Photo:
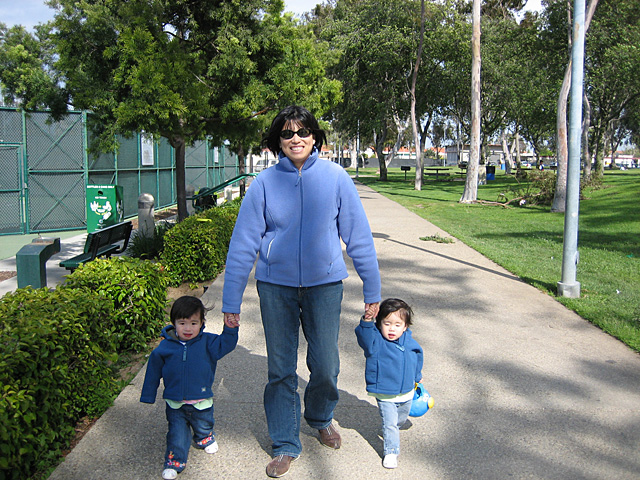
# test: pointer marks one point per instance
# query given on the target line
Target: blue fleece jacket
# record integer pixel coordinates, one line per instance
(391, 368)
(294, 220)
(188, 370)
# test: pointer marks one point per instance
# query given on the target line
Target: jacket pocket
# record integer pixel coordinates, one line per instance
(268, 255)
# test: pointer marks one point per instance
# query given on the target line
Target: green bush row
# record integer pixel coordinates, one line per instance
(149, 247)
(195, 250)
(58, 352)
(138, 289)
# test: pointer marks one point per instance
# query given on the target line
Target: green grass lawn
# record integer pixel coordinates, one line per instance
(528, 240)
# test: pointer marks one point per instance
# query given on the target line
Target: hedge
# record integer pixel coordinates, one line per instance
(58, 354)
(195, 250)
(138, 289)
(56, 359)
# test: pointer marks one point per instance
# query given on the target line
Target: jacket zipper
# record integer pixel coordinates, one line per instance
(299, 183)
(184, 369)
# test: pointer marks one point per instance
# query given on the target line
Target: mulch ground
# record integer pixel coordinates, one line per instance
(7, 275)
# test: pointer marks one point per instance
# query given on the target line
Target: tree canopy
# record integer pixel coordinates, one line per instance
(179, 69)
(186, 70)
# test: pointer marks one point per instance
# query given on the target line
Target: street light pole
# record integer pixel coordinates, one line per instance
(568, 286)
(358, 149)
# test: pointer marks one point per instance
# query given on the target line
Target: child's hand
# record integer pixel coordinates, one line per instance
(371, 310)
(232, 320)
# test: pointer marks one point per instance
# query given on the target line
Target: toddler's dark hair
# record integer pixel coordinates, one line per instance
(390, 305)
(185, 307)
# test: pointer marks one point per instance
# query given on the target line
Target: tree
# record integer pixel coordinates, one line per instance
(292, 47)
(375, 43)
(612, 75)
(28, 82)
(443, 36)
(562, 155)
(414, 121)
(182, 69)
(470, 193)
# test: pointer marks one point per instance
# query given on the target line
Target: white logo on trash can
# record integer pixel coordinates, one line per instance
(102, 210)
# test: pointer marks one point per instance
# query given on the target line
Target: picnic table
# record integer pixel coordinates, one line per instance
(438, 170)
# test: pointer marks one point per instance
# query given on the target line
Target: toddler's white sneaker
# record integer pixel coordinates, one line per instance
(169, 474)
(211, 448)
(390, 461)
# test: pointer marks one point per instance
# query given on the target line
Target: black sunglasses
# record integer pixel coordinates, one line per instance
(302, 133)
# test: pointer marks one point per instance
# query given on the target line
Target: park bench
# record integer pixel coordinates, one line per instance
(204, 199)
(101, 243)
(207, 197)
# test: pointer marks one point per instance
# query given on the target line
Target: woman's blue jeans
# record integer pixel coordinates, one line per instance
(181, 422)
(284, 310)
(393, 417)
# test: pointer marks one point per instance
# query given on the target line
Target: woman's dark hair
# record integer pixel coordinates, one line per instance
(293, 114)
(186, 306)
(390, 305)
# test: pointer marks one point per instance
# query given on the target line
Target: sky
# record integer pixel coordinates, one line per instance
(31, 12)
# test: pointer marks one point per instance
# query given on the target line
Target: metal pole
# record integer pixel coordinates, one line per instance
(568, 286)
(358, 149)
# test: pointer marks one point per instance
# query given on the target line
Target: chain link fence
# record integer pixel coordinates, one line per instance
(45, 169)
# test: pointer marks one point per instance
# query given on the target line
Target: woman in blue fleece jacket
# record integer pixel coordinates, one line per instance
(393, 367)
(186, 361)
(293, 218)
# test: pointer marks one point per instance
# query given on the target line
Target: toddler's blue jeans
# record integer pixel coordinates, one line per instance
(181, 423)
(393, 417)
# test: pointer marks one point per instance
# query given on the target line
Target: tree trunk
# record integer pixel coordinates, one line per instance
(414, 122)
(586, 122)
(181, 197)
(401, 126)
(506, 153)
(379, 141)
(470, 193)
(241, 169)
(353, 148)
(562, 156)
(459, 140)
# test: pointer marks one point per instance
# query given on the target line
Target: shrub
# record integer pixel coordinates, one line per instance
(138, 289)
(149, 248)
(538, 188)
(56, 359)
(195, 250)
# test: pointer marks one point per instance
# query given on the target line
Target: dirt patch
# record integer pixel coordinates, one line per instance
(169, 212)
(174, 293)
(6, 275)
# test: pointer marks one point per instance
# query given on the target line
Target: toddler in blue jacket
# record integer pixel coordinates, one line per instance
(186, 361)
(393, 367)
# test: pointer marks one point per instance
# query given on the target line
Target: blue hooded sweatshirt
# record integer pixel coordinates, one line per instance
(294, 221)
(392, 367)
(187, 370)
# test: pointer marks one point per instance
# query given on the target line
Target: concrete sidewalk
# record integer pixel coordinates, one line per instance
(523, 387)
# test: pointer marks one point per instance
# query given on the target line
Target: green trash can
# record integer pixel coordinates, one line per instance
(104, 206)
